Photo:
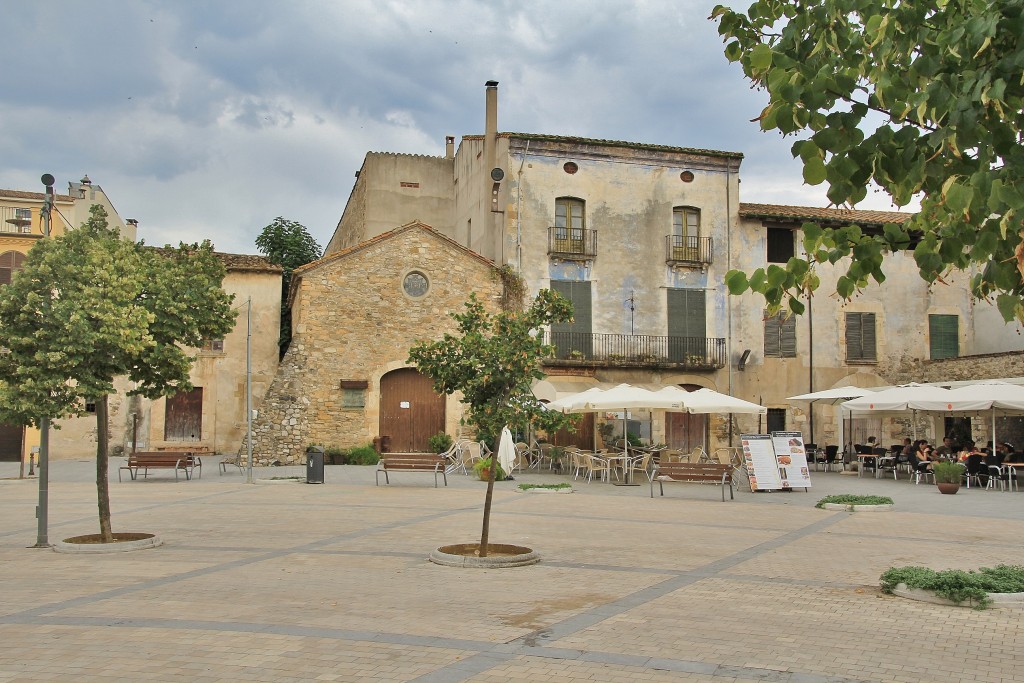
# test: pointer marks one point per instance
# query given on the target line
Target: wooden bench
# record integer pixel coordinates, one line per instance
(415, 462)
(694, 472)
(147, 460)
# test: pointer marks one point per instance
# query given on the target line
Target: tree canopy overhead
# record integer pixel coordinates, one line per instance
(922, 98)
(88, 307)
(287, 244)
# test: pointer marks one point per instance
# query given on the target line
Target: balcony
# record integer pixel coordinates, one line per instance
(688, 250)
(572, 243)
(635, 350)
(19, 221)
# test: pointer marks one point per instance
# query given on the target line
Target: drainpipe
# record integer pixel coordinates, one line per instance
(728, 267)
(810, 363)
(519, 210)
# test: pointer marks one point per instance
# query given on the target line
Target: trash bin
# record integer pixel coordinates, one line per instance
(314, 465)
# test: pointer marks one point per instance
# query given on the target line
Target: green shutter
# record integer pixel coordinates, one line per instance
(944, 336)
(687, 325)
(577, 335)
(860, 337)
(772, 337)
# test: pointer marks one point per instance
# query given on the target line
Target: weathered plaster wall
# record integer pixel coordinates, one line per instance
(356, 323)
(393, 190)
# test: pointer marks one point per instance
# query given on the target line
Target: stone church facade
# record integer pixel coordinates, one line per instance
(345, 378)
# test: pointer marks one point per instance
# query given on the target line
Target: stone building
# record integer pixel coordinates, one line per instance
(344, 380)
(210, 418)
(639, 237)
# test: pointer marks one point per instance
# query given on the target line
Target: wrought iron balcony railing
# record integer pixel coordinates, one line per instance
(688, 249)
(636, 350)
(572, 243)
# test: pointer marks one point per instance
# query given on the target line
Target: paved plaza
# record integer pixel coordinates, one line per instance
(301, 582)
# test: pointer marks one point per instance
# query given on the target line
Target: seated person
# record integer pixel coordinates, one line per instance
(969, 449)
(923, 456)
(907, 452)
(1005, 453)
(948, 449)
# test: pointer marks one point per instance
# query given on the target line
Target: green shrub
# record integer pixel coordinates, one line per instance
(556, 487)
(633, 440)
(484, 463)
(957, 585)
(440, 442)
(362, 455)
(948, 472)
(851, 499)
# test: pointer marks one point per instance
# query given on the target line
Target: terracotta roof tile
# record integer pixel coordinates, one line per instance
(38, 196)
(615, 143)
(830, 215)
(238, 262)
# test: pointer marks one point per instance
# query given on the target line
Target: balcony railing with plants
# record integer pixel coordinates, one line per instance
(572, 243)
(688, 249)
(636, 350)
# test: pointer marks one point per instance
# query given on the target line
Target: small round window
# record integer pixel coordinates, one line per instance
(415, 284)
(570, 167)
(686, 176)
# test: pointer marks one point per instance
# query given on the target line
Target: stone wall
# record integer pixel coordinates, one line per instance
(355, 324)
(965, 368)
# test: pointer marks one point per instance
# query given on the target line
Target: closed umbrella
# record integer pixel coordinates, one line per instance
(506, 451)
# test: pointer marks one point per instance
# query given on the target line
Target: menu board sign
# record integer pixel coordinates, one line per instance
(759, 459)
(792, 459)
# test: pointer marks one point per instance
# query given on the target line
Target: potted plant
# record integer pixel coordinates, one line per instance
(482, 468)
(948, 475)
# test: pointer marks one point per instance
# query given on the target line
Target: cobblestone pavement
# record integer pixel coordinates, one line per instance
(297, 582)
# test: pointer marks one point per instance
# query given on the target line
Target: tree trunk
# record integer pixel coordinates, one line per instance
(102, 486)
(485, 532)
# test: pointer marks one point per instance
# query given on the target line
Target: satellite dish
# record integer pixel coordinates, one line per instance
(47, 179)
(497, 174)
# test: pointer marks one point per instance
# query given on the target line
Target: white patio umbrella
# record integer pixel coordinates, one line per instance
(991, 396)
(617, 399)
(898, 400)
(836, 394)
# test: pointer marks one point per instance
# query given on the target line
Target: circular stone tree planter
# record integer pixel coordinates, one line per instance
(499, 556)
(123, 542)
(540, 490)
(999, 600)
(288, 480)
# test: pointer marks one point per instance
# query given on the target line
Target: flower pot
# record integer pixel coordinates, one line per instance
(947, 487)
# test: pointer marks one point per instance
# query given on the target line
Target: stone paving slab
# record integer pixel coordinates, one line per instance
(330, 582)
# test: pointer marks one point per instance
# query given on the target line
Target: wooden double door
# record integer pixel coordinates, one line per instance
(410, 410)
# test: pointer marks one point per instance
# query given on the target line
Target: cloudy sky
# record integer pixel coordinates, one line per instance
(209, 119)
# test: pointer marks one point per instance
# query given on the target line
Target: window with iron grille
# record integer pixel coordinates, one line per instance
(776, 420)
(685, 233)
(780, 245)
(570, 222)
(944, 336)
(214, 345)
(860, 338)
(779, 336)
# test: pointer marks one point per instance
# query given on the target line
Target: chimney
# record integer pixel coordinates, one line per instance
(449, 147)
(490, 129)
(132, 222)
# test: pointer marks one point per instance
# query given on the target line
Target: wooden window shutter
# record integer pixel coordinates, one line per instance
(772, 337)
(944, 336)
(787, 336)
(860, 337)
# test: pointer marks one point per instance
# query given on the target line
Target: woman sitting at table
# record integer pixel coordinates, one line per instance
(923, 456)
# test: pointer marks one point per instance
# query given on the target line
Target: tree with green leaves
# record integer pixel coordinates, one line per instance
(89, 307)
(926, 100)
(287, 244)
(492, 361)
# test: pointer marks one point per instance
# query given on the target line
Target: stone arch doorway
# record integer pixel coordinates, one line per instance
(410, 410)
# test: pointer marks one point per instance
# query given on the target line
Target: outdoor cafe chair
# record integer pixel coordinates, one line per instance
(832, 458)
(453, 459)
(640, 463)
(599, 466)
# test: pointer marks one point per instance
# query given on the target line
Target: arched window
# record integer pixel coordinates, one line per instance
(10, 261)
(570, 218)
